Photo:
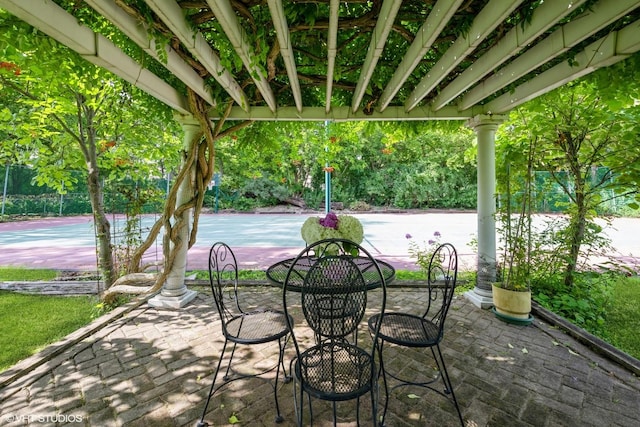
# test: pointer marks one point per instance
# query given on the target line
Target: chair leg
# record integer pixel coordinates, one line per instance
(374, 400)
(281, 346)
(233, 352)
(286, 377)
(335, 415)
(297, 398)
(448, 385)
(202, 423)
(310, 412)
(440, 370)
(382, 373)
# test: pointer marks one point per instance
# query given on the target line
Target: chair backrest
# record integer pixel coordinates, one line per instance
(441, 282)
(334, 296)
(223, 278)
(333, 292)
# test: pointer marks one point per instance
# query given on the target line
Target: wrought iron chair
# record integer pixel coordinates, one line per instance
(425, 330)
(240, 326)
(338, 363)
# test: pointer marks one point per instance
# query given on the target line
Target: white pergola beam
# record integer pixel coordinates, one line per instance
(487, 20)
(286, 50)
(332, 43)
(171, 14)
(386, 19)
(440, 15)
(121, 19)
(612, 48)
(544, 16)
(54, 21)
(560, 41)
(51, 19)
(110, 57)
(343, 114)
(136, 32)
(237, 36)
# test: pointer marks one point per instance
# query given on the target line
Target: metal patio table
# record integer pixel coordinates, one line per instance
(277, 273)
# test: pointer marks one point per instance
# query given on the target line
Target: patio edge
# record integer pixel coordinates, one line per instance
(598, 345)
(32, 362)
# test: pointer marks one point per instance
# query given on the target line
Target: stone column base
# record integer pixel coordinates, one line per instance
(480, 298)
(179, 301)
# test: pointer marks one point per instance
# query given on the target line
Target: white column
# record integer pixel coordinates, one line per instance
(174, 293)
(485, 127)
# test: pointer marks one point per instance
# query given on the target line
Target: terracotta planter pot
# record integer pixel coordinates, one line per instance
(512, 306)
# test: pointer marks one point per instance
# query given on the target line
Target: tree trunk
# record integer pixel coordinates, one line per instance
(578, 219)
(87, 141)
(102, 229)
(576, 235)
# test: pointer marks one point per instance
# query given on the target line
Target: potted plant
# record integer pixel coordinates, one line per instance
(512, 291)
(512, 294)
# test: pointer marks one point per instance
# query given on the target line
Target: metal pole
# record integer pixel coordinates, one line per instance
(6, 181)
(61, 199)
(216, 207)
(327, 190)
(327, 176)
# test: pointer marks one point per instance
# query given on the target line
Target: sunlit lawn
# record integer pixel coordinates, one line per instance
(623, 317)
(28, 323)
(19, 274)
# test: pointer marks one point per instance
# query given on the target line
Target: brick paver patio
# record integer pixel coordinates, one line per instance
(152, 367)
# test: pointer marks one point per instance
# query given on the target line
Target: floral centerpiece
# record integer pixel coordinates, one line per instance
(333, 226)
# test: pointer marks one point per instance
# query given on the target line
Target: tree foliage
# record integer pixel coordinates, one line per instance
(64, 116)
(404, 165)
(578, 128)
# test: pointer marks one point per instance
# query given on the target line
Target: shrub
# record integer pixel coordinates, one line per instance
(584, 304)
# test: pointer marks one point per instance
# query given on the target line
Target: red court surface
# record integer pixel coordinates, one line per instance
(259, 240)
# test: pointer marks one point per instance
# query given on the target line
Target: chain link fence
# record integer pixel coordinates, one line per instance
(549, 195)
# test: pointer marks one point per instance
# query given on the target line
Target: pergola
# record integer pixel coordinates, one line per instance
(331, 60)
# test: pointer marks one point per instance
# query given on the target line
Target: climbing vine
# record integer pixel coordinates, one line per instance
(199, 160)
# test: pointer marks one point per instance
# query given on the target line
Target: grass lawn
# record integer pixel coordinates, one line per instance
(19, 274)
(623, 317)
(28, 323)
